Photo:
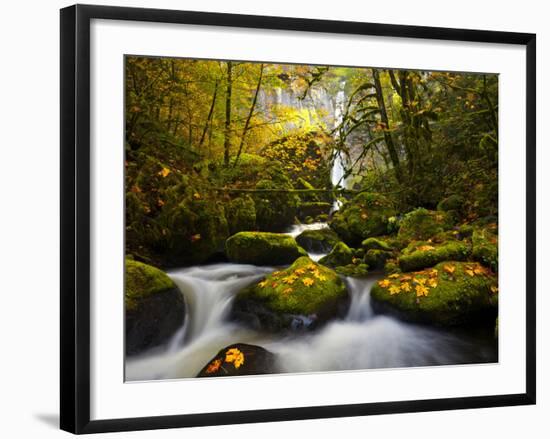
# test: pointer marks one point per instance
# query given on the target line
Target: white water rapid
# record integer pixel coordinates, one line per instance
(361, 340)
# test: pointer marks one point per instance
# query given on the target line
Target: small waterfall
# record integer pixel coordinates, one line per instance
(338, 170)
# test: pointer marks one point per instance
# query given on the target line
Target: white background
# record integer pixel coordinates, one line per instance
(29, 234)
(112, 398)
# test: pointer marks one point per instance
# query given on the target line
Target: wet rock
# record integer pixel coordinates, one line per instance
(302, 297)
(450, 294)
(154, 307)
(240, 359)
(318, 241)
(263, 248)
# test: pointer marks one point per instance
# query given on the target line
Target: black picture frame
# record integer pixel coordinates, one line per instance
(75, 217)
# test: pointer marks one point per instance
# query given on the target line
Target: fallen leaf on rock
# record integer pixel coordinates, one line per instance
(234, 356)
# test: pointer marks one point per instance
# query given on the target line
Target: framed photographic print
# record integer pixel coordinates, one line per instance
(318, 218)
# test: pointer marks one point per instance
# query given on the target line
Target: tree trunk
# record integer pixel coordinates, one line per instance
(210, 113)
(227, 131)
(394, 157)
(250, 113)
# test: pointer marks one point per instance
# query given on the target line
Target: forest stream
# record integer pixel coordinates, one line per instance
(362, 339)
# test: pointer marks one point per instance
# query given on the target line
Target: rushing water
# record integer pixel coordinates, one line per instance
(361, 340)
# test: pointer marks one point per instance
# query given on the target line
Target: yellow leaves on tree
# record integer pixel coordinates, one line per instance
(164, 172)
(214, 366)
(234, 356)
(307, 281)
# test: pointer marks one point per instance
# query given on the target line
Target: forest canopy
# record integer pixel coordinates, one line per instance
(218, 147)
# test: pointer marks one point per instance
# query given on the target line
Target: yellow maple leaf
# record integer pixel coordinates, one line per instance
(449, 268)
(421, 290)
(479, 270)
(197, 196)
(394, 276)
(432, 283)
(469, 272)
(433, 272)
(307, 281)
(262, 284)
(425, 248)
(494, 289)
(234, 356)
(299, 271)
(420, 280)
(312, 267)
(395, 289)
(276, 273)
(289, 280)
(384, 283)
(214, 366)
(405, 278)
(319, 276)
(164, 172)
(406, 287)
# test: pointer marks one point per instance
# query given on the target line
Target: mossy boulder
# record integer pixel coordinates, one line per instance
(485, 246)
(301, 297)
(313, 209)
(341, 254)
(451, 203)
(364, 216)
(358, 269)
(450, 294)
(154, 307)
(241, 214)
(240, 359)
(318, 241)
(302, 183)
(420, 255)
(375, 244)
(376, 259)
(275, 208)
(422, 224)
(262, 248)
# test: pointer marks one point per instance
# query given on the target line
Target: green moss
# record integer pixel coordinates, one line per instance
(143, 280)
(241, 214)
(391, 267)
(304, 288)
(313, 208)
(420, 255)
(341, 254)
(263, 248)
(318, 241)
(451, 203)
(302, 183)
(364, 216)
(376, 259)
(375, 244)
(421, 224)
(275, 211)
(353, 270)
(485, 246)
(455, 294)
